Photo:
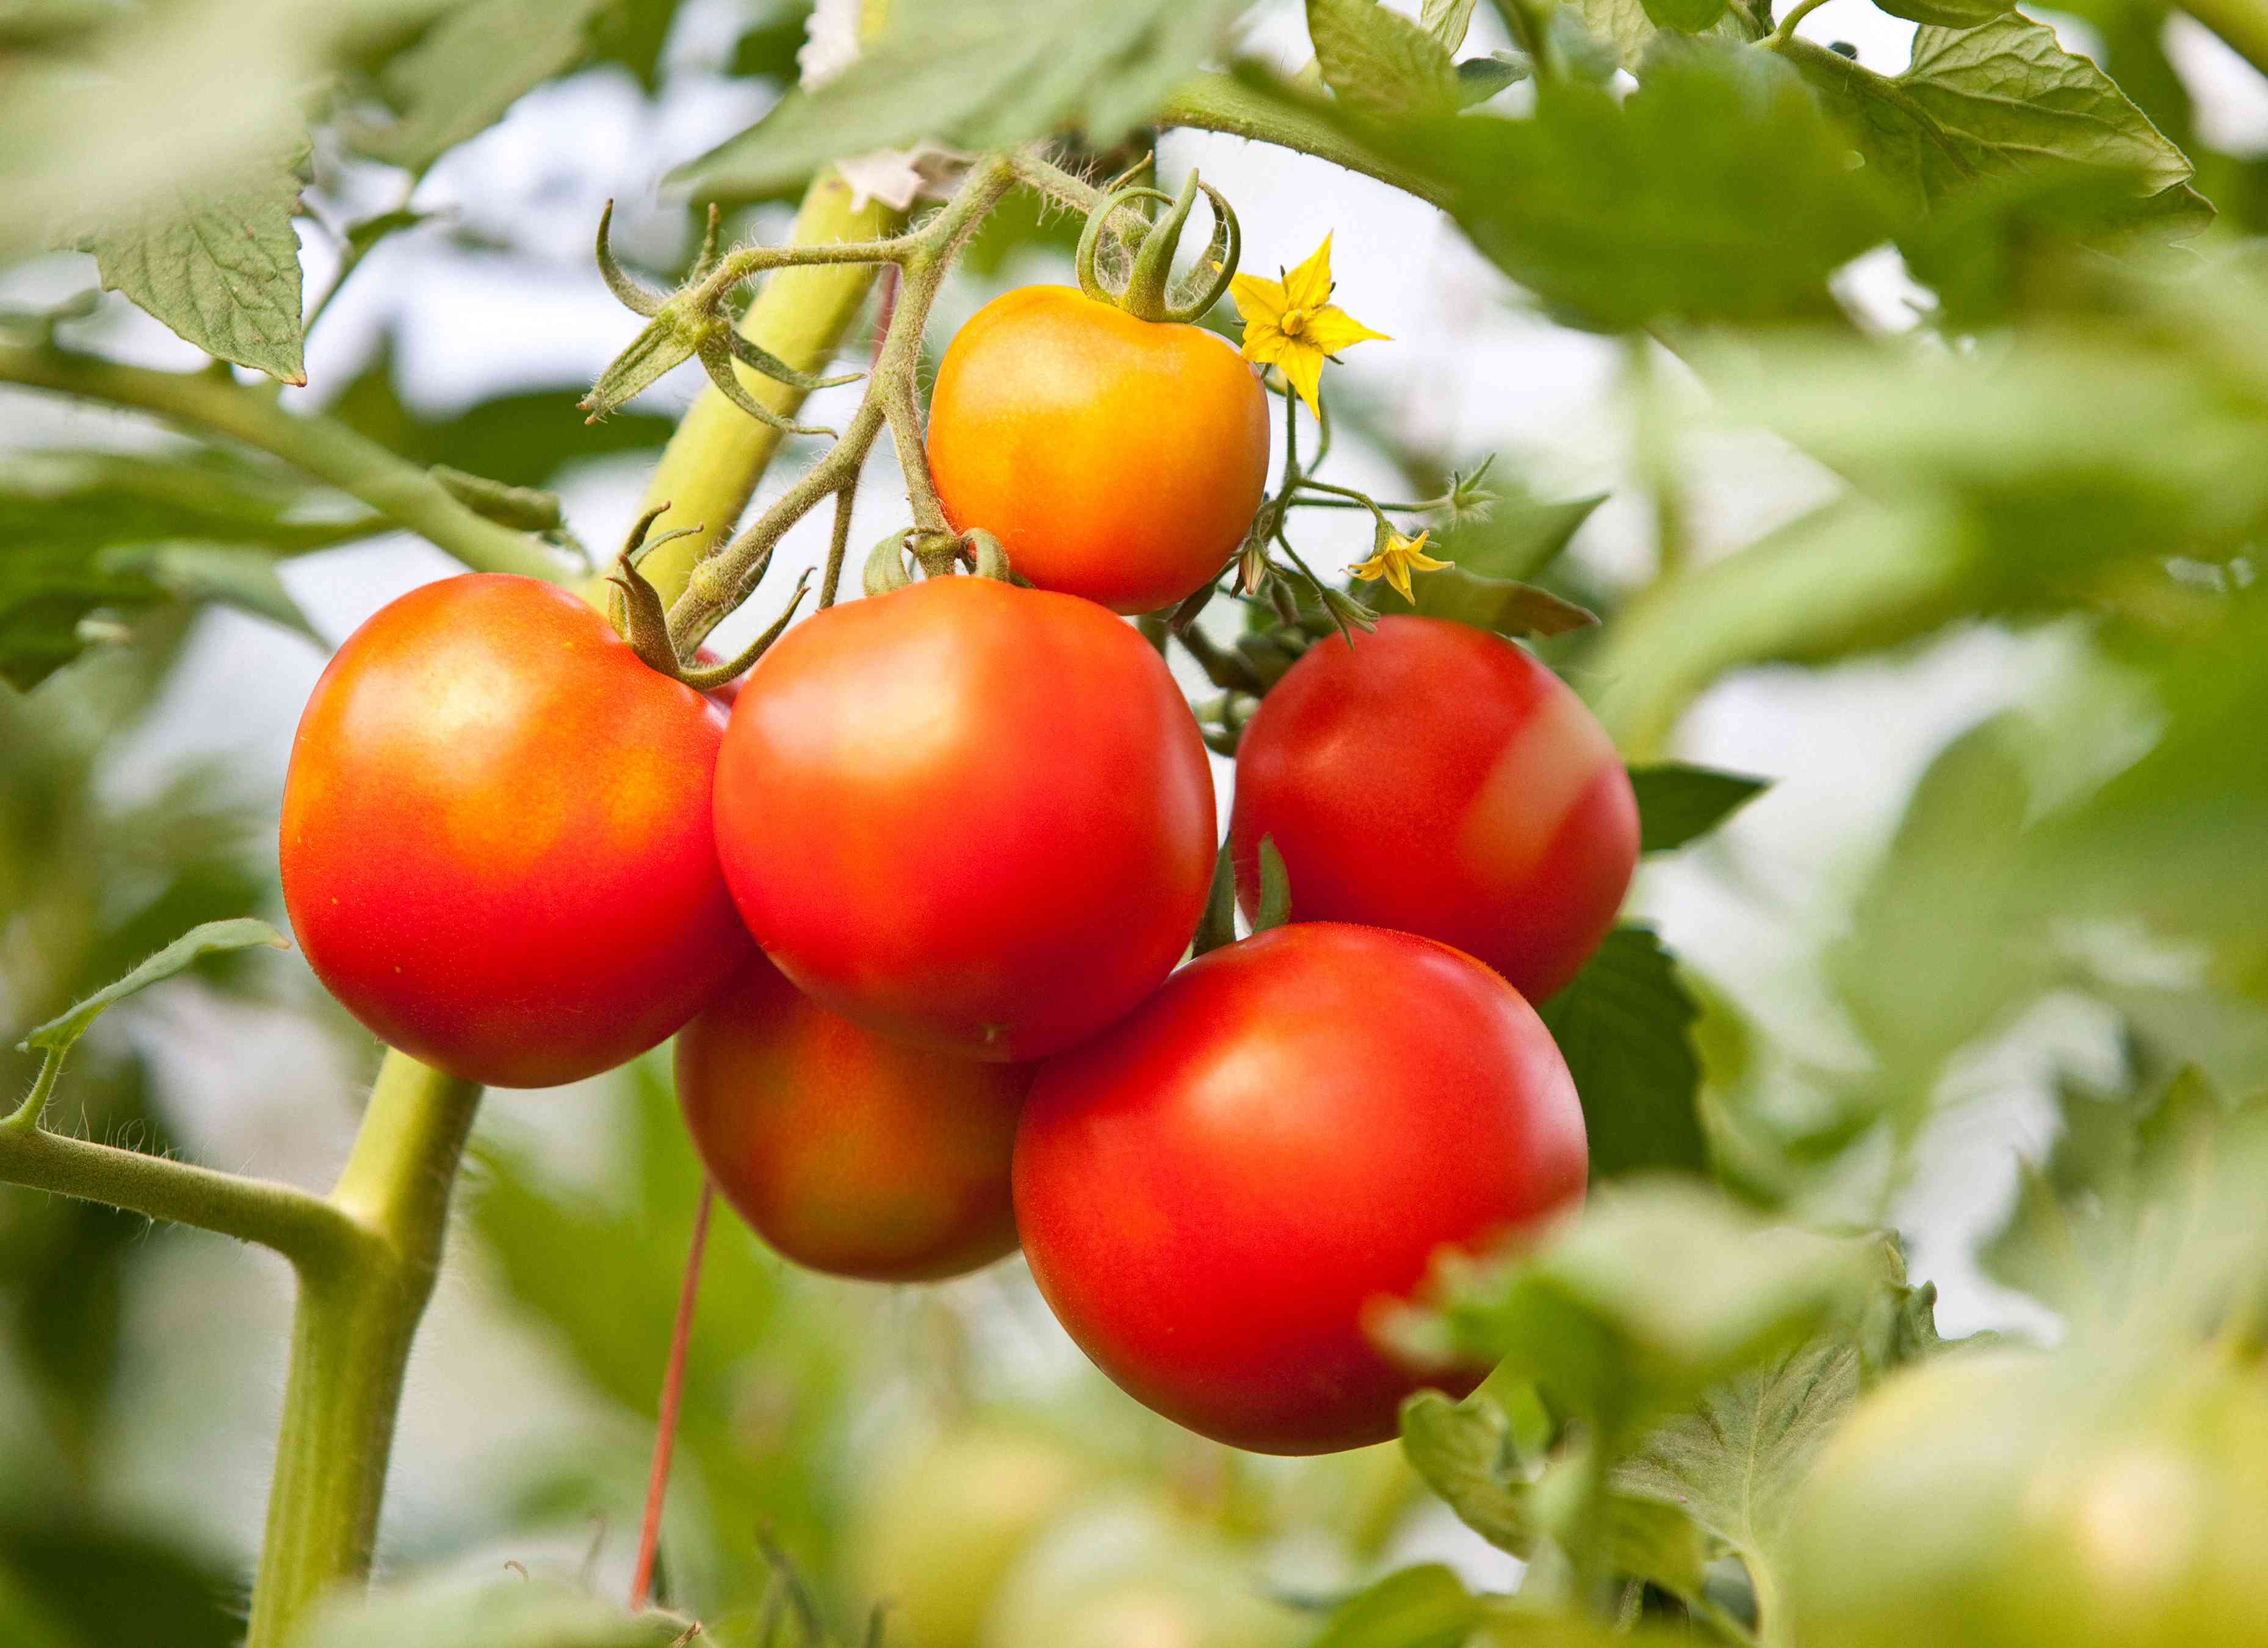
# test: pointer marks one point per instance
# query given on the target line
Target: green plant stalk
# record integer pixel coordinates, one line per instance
(213, 404)
(1220, 103)
(2243, 24)
(350, 1342)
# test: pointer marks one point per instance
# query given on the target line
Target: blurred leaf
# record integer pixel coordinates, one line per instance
(1625, 1026)
(1446, 21)
(1976, 103)
(44, 593)
(108, 1587)
(1717, 190)
(243, 578)
(1626, 26)
(767, 48)
(1425, 1606)
(1504, 606)
(978, 74)
(516, 440)
(469, 68)
(1654, 1292)
(2147, 1200)
(1687, 17)
(1466, 1453)
(58, 1033)
(93, 499)
(1381, 63)
(506, 1612)
(219, 262)
(1678, 802)
(632, 33)
(1519, 535)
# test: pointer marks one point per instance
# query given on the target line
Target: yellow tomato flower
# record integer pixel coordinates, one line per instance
(1394, 559)
(1293, 323)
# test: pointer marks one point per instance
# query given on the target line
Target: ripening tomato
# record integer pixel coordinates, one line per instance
(2000, 1499)
(1215, 1192)
(970, 815)
(497, 851)
(847, 1151)
(1116, 459)
(1435, 779)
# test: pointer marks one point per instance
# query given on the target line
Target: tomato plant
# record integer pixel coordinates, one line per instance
(969, 814)
(455, 875)
(1215, 1192)
(848, 1152)
(1432, 778)
(1115, 458)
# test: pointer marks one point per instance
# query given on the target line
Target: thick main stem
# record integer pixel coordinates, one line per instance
(358, 1316)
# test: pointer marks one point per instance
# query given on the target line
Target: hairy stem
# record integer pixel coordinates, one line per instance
(350, 1343)
(1220, 103)
(209, 403)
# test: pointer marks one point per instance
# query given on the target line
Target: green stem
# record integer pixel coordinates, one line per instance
(1785, 29)
(209, 403)
(1220, 103)
(357, 1315)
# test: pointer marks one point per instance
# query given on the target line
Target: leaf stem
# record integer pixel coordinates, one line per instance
(1784, 30)
(1222, 103)
(673, 1393)
(217, 404)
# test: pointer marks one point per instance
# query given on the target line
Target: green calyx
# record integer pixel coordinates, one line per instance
(1150, 292)
(936, 553)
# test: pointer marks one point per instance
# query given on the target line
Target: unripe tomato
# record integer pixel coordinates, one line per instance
(2000, 1500)
(970, 815)
(1435, 779)
(1116, 459)
(935, 1533)
(1125, 1572)
(849, 1153)
(497, 851)
(1215, 1192)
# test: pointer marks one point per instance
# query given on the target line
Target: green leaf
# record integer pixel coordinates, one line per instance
(1626, 27)
(978, 74)
(1678, 802)
(94, 499)
(44, 594)
(1518, 534)
(218, 263)
(1624, 1025)
(1717, 190)
(1687, 17)
(1425, 1606)
(214, 938)
(1952, 14)
(1379, 62)
(505, 1611)
(1466, 1452)
(471, 67)
(1658, 1291)
(1999, 99)
(1275, 907)
(1446, 21)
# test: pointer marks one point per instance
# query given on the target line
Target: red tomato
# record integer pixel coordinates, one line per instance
(966, 814)
(1434, 778)
(849, 1153)
(497, 845)
(1215, 1192)
(1116, 459)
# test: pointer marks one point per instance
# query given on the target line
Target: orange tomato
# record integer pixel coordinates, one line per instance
(1114, 459)
(848, 1152)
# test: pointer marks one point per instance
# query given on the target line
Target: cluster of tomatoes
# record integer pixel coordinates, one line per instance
(914, 909)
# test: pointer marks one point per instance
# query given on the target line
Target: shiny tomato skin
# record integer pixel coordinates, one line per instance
(1213, 1192)
(1436, 778)
(969, 815)
(847, 1151)
(1114, 459)
(498, 851)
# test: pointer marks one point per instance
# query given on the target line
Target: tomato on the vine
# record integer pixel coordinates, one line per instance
(497, 849)
(971, 815)
(847, 1151)
(1114, 458)
(1213, 1192)
(1432, 778)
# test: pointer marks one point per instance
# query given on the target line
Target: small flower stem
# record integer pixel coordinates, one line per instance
(673, 1392)
(1785, 28)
